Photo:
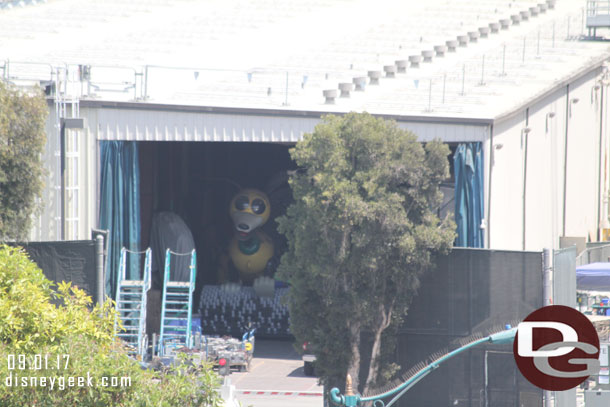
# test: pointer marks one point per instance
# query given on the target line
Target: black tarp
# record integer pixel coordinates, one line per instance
(66, 261)
(170, 232)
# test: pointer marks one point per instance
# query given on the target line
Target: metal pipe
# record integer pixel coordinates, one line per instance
(547, 282)
(524, 208)
(486, 380)
(145, 82)
(547, 296)
(491, 153)
(463, 78)
(524, 226)
(286, 91)
(565, 160)
(430, 97)
(599, 162)
(99, 267)
(62, 188)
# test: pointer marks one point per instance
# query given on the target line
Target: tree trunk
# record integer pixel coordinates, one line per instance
(353, 369)
(384, 322)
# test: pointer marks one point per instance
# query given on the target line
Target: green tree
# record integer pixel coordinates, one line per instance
(22, 139)
(361, 231)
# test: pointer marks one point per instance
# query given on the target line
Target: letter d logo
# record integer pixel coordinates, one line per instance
(526, 339)
(556, 348)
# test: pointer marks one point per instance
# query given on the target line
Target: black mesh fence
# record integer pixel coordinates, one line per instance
(66, 261)
(471, 291)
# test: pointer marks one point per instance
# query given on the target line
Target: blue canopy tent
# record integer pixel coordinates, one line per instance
(593, 277)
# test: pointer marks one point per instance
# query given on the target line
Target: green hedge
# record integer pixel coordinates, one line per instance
(45, 349)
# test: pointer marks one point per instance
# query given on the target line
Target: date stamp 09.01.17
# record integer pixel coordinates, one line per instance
(23, 362)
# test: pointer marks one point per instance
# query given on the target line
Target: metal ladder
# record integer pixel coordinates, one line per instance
(131, 304)
(176, 307)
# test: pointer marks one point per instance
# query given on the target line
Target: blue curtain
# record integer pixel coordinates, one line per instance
(120, 206)
(469, 209)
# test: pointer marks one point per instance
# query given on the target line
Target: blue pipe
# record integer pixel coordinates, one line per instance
(499, 338)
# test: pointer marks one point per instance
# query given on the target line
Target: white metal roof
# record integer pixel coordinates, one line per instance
(282, 54)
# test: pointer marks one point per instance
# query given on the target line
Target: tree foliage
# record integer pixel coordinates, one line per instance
(74, 340)
(22, 139)
(361, 231)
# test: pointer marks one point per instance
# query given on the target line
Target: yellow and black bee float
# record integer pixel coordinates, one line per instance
(250, 248)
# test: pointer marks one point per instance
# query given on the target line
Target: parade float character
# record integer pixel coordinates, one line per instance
(250, 248)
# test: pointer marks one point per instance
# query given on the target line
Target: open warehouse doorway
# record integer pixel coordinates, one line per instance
(187, 192)
(197, 183)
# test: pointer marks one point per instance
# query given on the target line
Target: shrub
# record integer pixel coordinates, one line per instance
(75, 340)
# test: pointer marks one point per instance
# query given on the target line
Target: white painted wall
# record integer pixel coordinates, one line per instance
(46, 224)
(544, 192)
(80, 182)
(504, 211)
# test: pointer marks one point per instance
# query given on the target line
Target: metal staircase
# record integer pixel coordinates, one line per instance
(131, 303)
(177, 307)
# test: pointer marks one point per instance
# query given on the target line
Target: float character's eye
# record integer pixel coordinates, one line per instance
(241, 203)
(258, 206)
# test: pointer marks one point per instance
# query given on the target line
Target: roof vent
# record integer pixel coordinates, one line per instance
(516, 19)
(484, 31)
(330, 95)
(451, 45)
(345, 88)
(414, 60)
(427, 54)
(551, 4)
(463, 40)
(390, 71)
(374, 75)
(505, 23)
(473, 35)
(401, 65)
(360, 83)
(440, 50)
(534, 11)
(494, 27)
(543, 7)
(525, 15)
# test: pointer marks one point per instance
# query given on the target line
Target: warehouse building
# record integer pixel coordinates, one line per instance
(182, 100)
